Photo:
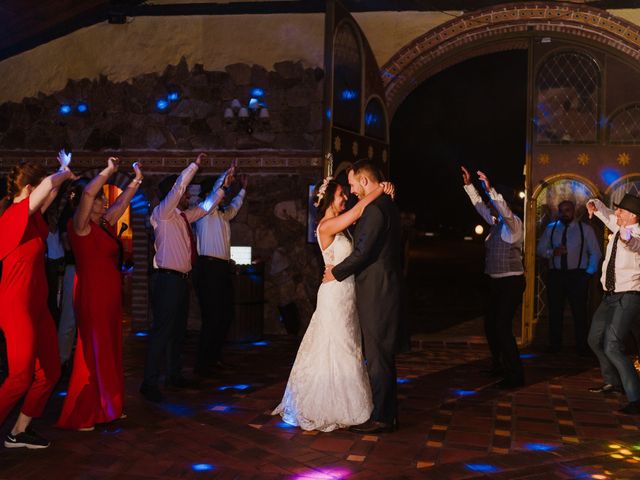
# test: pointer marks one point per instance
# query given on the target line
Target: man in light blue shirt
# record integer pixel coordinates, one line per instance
(573, 252)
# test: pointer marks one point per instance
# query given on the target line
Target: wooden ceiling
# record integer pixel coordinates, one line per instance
(25, 24)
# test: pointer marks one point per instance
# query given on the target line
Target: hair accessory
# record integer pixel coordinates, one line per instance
(322, 190)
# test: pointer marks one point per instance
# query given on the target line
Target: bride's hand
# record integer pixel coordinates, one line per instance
(388, 188)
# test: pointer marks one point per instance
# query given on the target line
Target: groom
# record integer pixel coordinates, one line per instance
(377, 266)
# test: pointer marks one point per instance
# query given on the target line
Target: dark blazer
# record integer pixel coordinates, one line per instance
(376, 263)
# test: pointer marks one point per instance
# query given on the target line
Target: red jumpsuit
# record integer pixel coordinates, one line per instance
(96, 388)
(32, 345)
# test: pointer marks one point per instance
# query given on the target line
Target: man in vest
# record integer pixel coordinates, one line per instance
(573, 253)
(617, 315)
(503, 264)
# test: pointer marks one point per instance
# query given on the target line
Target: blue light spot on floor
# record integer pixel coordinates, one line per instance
(202, 467)
(527, 356)
(142, 333)
(240, 386)
(402, 380)
(260, 344)
(178, 410)
(464, 393)
(285, 425)
(481, 467)
(540, 447)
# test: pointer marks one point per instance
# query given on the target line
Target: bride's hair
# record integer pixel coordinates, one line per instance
(324, 198)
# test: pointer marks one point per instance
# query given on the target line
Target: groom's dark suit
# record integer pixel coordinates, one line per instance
(377, 266)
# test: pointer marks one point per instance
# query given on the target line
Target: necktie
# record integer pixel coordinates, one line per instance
(563, 257)
(192, 240)
(610, 278)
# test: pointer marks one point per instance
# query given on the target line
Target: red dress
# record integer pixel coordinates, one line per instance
(96, 388)
(32, 346)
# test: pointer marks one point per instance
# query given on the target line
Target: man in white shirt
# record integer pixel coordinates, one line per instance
(573, 252)
(175, 256)
(503, 264)
(618, 313)
(213, 279)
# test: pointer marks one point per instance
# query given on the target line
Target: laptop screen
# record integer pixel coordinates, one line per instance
(241, 255)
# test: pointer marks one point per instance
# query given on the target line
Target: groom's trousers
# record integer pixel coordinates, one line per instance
(381, 365)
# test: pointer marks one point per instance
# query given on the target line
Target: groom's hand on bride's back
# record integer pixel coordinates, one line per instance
(328, 274)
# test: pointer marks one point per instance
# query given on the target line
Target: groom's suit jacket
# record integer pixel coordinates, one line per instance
(377, 265)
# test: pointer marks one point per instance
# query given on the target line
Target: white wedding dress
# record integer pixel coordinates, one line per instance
(328, 387)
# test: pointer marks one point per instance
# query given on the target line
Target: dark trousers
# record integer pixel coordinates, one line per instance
(572, 285)
(170, 306)
(381, 365)
(54, 270)
(505, 296)
(214, 286)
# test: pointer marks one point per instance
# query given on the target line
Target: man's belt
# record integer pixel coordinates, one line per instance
(213, 259)
(168, 271)
(629, 292)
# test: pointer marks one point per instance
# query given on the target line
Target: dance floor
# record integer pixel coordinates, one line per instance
(453, 424)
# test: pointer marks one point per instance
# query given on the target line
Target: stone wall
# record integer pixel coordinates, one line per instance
(124, 115)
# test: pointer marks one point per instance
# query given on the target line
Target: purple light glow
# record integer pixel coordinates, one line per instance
(324, 474)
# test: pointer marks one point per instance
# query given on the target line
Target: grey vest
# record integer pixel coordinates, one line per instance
(500, 256)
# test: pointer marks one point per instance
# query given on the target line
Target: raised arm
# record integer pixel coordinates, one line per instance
(370, 228)
(214, 198)
(83, 213)
(171, 201)
(122, 202)
(236, 204)
(45, 193)
(605, 214)
(341, 222)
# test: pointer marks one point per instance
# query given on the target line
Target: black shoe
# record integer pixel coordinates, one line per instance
(631, 408)
(606, 388)
(27, 439)
(152, 394)
(372, 426)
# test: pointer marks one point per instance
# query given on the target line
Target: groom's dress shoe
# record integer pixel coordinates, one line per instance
(372, 426)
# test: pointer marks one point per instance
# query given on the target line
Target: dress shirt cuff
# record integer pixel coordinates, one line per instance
(473, 194)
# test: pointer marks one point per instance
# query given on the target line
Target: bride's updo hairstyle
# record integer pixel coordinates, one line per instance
(23, 174)
(323, 194)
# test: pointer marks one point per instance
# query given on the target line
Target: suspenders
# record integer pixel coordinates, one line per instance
(553, 260)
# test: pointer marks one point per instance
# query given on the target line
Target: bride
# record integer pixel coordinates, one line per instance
(328, 387)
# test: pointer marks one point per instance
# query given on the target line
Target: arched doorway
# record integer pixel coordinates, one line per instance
(582, 105)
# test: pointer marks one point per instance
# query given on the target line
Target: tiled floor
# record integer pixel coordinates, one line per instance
(454, 424)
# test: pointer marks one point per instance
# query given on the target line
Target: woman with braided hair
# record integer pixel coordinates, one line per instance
(32, 350)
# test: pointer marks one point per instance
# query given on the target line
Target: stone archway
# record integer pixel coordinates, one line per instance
(499, 28)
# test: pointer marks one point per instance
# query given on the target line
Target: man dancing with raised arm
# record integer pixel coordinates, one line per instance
(175, 257)
(503, 264)
(618, 312)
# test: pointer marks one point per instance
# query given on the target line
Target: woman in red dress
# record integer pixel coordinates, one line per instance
(32, 349)
(96, 388)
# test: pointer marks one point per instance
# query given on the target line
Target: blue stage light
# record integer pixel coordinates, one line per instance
(349, 94)
(202, 467)
(65, 109)
(62, 394)
(82, 107)
(162, 104)
(402, 380)
(328, 114)
(610, 175)
(527, 356)
(260, 344)
(240, 386)
(142, 333)
(173, 96)
(257, 92)
(481, 467)
(371, 119)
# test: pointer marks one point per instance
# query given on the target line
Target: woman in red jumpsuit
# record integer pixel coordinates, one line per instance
(32, 349)
(96, 388)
